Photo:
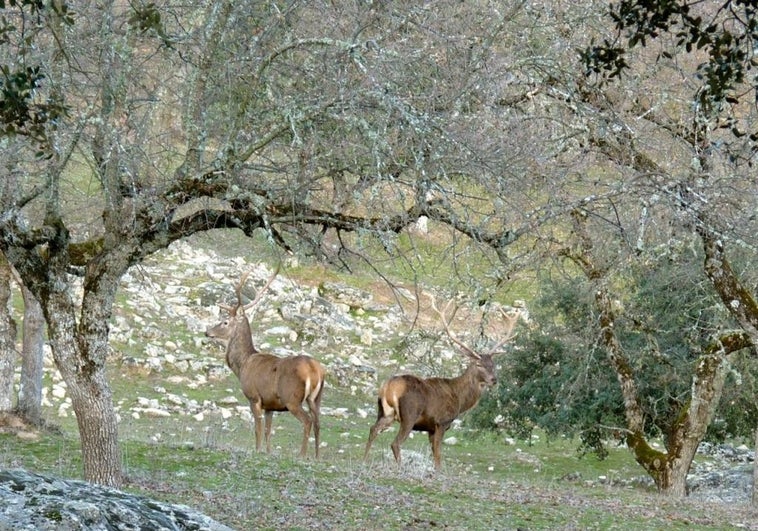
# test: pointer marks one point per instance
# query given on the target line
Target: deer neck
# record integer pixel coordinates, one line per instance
(468, 388)
(240, 346)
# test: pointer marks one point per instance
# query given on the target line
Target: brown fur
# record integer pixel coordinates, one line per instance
(430, 404)
(271, 383)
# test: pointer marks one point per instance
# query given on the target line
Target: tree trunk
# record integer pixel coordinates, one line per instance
(30, 390)
(7, 338)
(80, 352)
(755, 470)
(93, 404)
(673, 477)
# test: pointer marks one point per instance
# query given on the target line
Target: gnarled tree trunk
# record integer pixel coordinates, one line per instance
(668, 469)
(32, 356)
(7, 338)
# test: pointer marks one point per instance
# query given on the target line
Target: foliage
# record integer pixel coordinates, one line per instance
(721, 35)
(737, 414)
(558, 380)
(27, 107)
(555, 379)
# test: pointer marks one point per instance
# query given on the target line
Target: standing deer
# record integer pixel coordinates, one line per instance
(269, 382)
(432, 404)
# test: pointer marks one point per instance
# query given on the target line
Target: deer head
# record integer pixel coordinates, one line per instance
(236, 327)
(483, 361)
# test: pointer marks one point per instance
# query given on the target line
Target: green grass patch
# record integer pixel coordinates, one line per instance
(483, 485)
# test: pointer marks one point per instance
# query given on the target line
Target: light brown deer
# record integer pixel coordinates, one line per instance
(432, 404)
(269, 382)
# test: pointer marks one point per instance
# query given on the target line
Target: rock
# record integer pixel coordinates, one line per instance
(352, 297)
(31, 501)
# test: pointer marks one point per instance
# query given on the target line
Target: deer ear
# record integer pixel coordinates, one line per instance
(230, 310)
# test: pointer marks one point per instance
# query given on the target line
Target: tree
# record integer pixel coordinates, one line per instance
(237, 115)
(717, 41)
(687, 426)
(32, 355)
(8, 352)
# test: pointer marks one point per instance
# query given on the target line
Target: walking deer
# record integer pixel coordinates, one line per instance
(269, 382)
(432, 404)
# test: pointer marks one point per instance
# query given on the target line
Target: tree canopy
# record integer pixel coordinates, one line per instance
(333, 128)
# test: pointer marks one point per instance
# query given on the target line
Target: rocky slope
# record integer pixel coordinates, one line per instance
(170, 300)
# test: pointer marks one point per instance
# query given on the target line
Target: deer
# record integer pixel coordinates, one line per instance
(432, 404)
(270, 383)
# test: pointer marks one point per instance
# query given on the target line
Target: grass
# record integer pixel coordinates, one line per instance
(487, 481)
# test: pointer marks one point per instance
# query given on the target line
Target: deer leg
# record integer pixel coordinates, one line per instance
(435, 439)
(269, 421)
(402, 435)
(381, 424)
(314, 407)
(302, 416)
(257, 410)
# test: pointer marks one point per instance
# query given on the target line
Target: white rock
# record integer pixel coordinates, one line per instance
(155, 412)
(367, 337)
(59, 391)
(174, 399)
(229, 400)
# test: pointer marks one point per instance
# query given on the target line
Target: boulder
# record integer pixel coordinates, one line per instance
(30, 501)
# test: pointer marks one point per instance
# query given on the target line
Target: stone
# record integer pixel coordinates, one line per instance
(42, 502)
(353, 298)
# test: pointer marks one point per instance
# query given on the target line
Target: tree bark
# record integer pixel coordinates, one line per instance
(668, 469)
(7, 338)
(80, 353)
(32, 356)
(755, 470)
(98, 431)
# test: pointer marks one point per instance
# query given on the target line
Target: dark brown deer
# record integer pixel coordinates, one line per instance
(269, 382)
(432, 404)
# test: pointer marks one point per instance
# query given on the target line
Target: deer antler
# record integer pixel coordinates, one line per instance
(510, 318)
(238, 291)
(261, 291)
(468, 350)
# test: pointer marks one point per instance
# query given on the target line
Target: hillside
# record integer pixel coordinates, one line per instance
(186, 431)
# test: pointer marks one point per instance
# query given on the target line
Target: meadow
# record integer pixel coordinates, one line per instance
(488, 480)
